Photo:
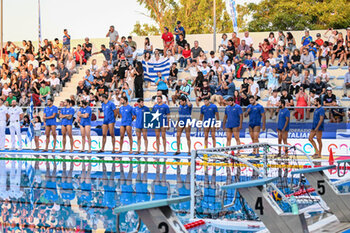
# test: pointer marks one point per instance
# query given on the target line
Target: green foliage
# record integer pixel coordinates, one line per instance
(196, 16)
(273, 15)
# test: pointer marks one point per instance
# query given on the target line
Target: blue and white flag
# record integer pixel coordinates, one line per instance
(30, 131)
(231, 10)
(39, 26)
(150, 69)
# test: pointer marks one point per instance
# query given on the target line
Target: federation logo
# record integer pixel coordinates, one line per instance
(152, 120)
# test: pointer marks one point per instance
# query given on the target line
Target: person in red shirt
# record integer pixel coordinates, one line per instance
(79, 56)
(319, 41)
(168, 40)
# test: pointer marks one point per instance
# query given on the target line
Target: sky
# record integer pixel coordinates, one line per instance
(82, 18)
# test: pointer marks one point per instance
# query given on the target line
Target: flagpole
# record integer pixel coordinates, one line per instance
(214, 39)
(2, 27)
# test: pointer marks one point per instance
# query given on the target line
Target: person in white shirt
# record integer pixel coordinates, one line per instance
(248, 39)
(3, 119)
(274, 101)
(204, 69)
(253, 88)
(230, 69)
(55, 84)
(193, 69)
(32, 61)
(212, 59)
(15, 115)
(13, 64)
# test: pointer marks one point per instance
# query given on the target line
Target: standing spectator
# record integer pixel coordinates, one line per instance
(138, 80)
(168, 41)
(346, 84)
(195, 51)
(307, 61)
(179, 30)
(161, 81)
(66, 40)
(113, 36)
(302, 101)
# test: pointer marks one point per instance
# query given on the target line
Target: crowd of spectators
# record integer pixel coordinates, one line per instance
(282, 65)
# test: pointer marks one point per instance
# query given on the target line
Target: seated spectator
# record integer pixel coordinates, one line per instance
(193, 70)
(198, 83)
(265, 49)
(248, 41)
(244, 99)
(185, 57)
(329, 99)
(248, 64)
(347, 54)
(161, 83)
(79, 56)
(5, 91)
(323, 53)
(229, 70)
(272, 81)
(235, 39)
(87, 48)
(195, 50)
(237, 97)
(338, 52)
(307, 61)
(324, 75)
(230, 86)
(70, 64)
(253, 89)
(180, 44)
(24, 101)
(80, 88)
(243, 47)
(125, 90)
(296, 82)
(224, 42)
(177, 94)
(45, 93)
(201, 58)
(272, 60)
(55, 85)
(216, 74)
(296, 59)
(205, 92)
(306, 40)
(290, 41)
(311, 103)
(230, 50)
(219, 94)
(244, 86)
(173, 75)
(346, 84)
(287, 98)
(223, 58)
(259, 66)
(265, 72)
(10, 98)
(131, 43)
(88, 79)
(319, 87)
(307, 79)
(63, 74)
(302, 101)
(164, 98)
(184, 90)
(273, 101)
(337, 115)
(168, 40)
(212, 59)
(148, 47)
(204, 69)
(319, 40)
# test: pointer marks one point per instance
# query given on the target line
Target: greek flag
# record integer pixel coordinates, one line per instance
(150, 69)
(39, 24)
(30, 131)
(231, 10)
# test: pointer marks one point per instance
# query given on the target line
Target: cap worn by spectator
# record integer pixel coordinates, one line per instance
(329, 88)
(318, 35)
(324, 66)
(178, 22)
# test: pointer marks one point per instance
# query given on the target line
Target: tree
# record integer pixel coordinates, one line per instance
(196, 16)
(274, 15)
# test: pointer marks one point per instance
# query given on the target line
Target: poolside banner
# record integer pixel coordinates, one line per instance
(231, 10)
(150, 69)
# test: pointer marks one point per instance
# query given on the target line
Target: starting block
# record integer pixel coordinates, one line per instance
(268, 210)
(338, 203)
(157, 215)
